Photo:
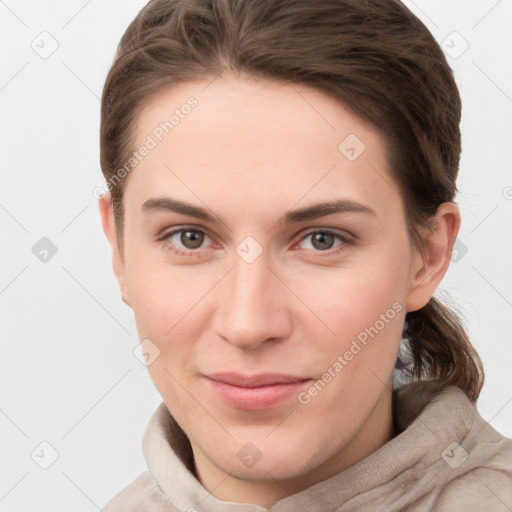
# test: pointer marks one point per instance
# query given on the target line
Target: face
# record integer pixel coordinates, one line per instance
(277, 298)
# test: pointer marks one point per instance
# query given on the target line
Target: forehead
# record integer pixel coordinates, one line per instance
(252, 140)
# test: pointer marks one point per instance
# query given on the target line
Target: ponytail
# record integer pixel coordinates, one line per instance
(439, 348)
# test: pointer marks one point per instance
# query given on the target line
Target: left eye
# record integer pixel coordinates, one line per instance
(324, 240)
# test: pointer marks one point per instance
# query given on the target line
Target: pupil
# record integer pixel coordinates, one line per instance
(321, 238)
(194, 238)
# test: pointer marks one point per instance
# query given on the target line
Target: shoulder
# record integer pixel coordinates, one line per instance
(143, 493)
(485, 486)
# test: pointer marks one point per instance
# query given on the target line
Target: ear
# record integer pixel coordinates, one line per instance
(109, 227)
(427, 270)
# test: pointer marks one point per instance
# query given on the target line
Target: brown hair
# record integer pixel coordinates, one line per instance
(374, 56)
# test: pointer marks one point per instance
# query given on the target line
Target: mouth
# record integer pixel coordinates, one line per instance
(256, 392)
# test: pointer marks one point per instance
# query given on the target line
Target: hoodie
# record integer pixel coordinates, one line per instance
(444, 457)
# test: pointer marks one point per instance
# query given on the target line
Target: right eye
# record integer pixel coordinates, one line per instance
(184, 241)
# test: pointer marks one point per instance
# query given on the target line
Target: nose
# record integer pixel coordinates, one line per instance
(254, 305)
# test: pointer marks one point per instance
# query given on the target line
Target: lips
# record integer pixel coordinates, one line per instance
(263, 379)
(256, 392)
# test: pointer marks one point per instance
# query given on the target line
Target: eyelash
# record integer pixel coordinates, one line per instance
(322, 254)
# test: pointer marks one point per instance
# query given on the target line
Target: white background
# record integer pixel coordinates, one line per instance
(68, 374)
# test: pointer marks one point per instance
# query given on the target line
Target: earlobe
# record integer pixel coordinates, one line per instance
(110, 230)
(428, 269)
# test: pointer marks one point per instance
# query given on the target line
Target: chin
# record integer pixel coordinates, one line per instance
(276, 461)
(284, 469)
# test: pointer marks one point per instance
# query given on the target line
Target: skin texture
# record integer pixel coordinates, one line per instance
(250, 151)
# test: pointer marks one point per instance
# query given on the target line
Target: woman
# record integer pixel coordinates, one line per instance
(280, 177)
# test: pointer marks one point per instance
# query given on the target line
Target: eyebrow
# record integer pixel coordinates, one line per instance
(167, 204)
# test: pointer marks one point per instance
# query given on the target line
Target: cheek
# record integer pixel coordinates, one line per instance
(166, 306)
(353, 365)
(159, 292)
(362, 313)
(169, 307)
(349, 299)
